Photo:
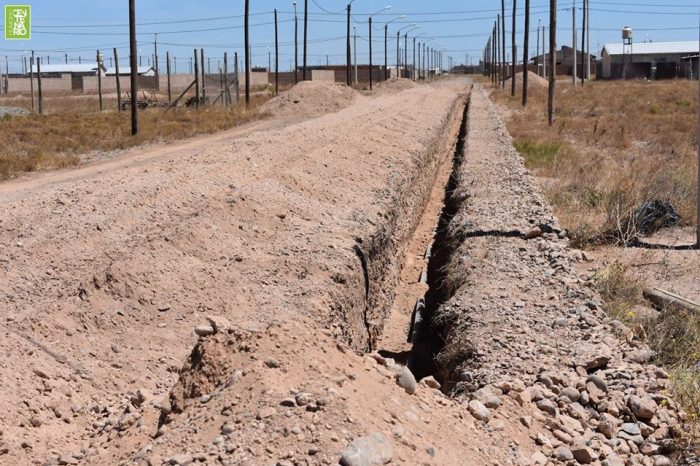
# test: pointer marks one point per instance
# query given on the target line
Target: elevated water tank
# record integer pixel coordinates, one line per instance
(627, 33)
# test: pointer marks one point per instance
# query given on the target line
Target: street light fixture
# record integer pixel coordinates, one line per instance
(388, 7)
(405, 48)
(398, 41)
(386, 30)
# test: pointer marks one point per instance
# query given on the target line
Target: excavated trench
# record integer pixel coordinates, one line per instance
(425, 333)
(428, 289)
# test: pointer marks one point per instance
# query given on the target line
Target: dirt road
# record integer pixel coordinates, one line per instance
(215, 301)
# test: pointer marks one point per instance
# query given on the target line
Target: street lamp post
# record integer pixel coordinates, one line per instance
(388, 7)
(296, 48)
(386, 34)
(398, 52)
(347, 48)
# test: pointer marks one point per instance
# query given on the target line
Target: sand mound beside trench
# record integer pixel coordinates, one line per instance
(395, 85)
(309, 99)
(532, 80)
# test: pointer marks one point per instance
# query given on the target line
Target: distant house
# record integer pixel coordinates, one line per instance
(651, 60)
(73, 69)
(126, 71)
(565, 60)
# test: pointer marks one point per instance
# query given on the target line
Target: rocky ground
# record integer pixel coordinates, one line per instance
(223, 301)
(521, 322)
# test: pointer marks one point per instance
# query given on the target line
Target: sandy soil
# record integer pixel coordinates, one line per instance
(222, 301)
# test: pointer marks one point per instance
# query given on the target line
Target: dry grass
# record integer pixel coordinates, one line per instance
(40, 142)
(614, 145)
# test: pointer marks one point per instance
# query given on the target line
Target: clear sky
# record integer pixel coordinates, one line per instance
(80, 27)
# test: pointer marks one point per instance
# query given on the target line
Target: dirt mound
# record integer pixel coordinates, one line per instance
(309, 99)
(533, 80)
(394, 85)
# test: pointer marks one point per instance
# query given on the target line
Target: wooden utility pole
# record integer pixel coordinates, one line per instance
(196, 79)
(41, 95)
(583, 46)
(296, 47)
(573, 41)
(167, 70)
(370, 53)
(204, 78)
(238, 81)
(227, 93)
(537, 54)
(552, 60)
(32, 60)
(306, 30)
(513, 54)
(99, 78)
(347, 49)
(247, 55)
(277, 58)
(526, 52)
(499, 71)
(116, 75)
(134, 69)
(503, 44)
(697, 219)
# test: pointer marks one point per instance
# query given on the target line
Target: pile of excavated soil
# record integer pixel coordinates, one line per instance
(532, 80)
(394, 85)
(309, 99)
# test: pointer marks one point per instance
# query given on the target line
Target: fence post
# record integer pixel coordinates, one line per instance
(99, 78)
(227, 96)
(119, 86)
(31, 77)
(238, 86)
(204, 79)
(196, 78)
(167, 70)
(277, 59)
(41, 97)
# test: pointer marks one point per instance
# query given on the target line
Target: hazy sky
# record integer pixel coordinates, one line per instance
(80, 27)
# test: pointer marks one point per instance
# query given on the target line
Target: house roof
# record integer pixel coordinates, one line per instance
(655, 48)
(67, 68)
(127, 70)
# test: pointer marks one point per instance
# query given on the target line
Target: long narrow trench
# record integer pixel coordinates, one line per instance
(409, 335)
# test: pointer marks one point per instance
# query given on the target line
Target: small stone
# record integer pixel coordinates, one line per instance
(547, 406)
(269, 411)
(631, 428)
(535, 232)
(406, 380)
(563, 454)
(479, 411)
(641, 356)
(218, 323)
(183, 459)
(272, 363)
(642, 408)
(204, 330)
(140, 397)
(163, 307)
(583, 454)
(598, 382)
(302, 399)
(526, 421)
(649, 449)
(571, 393)
(592, 356)
(288, 402)
(661, 461)
(371, 450)
(430, 382)
(67, 459)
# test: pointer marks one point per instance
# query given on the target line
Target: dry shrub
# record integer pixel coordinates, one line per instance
(620, 289)
(617, 143)
(39, 142)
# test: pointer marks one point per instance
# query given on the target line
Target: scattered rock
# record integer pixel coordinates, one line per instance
(406, 380)
(479, 411)
(371, 450)
(563, 454)
(182, 459)
(430, 382)
(204, 330)
(642, 408)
